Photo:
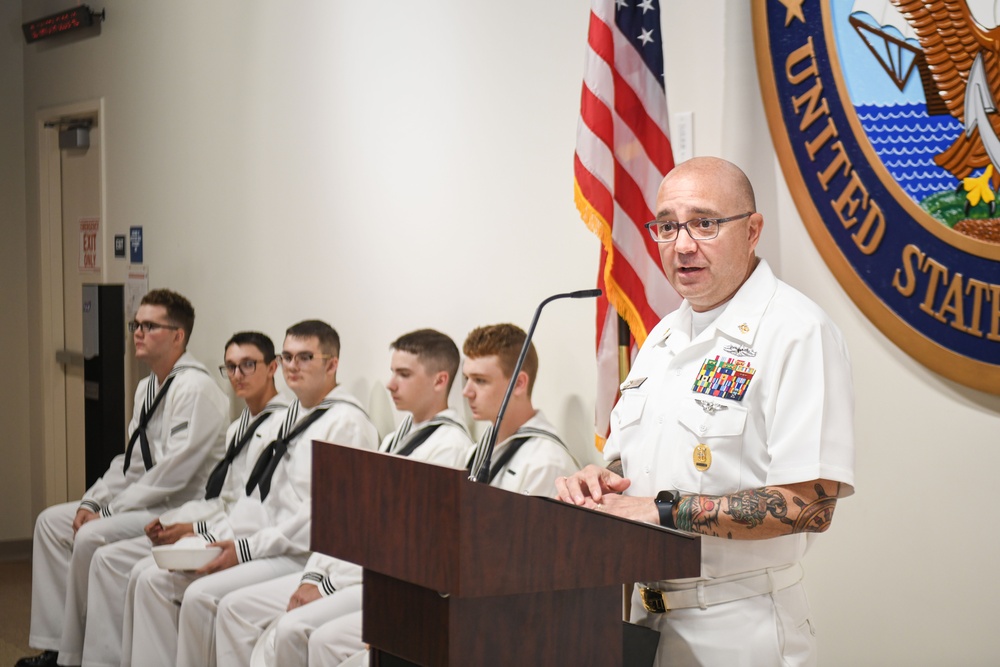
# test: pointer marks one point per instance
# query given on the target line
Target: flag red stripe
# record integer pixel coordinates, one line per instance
(597, 116)
(601, 39)
(629, 199)
(596, 193)
(631, 110)
(602, 304)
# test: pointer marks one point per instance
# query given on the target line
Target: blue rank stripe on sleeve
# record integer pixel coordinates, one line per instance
(724, 379)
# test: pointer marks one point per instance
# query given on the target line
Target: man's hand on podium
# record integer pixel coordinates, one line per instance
(600, 489)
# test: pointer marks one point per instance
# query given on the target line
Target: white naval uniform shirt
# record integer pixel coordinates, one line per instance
(206, 510)
(279, 525)
(330, 574)
(186, 439)
(535, 466)
(791, 420)
(449, 445)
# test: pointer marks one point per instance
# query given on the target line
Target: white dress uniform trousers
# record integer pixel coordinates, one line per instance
(63, 562)
(129, 610)
(285, 642)
(336, 641)
(113, 563)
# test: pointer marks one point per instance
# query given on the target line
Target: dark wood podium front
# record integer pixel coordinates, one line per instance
(459, 573)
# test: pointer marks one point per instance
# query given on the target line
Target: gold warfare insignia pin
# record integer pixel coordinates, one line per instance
(702, 458)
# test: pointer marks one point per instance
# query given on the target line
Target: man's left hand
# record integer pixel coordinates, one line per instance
(83, 515)
(628, 507)
(223, 561)
(171, 533)
(304, 594)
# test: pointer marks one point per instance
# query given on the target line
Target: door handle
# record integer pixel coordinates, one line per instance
(69, 358)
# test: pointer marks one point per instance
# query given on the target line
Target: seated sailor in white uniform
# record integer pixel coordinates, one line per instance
(175, 437)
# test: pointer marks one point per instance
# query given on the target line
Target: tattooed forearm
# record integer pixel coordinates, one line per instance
(815, 514)
(750, 508)
(698, 514)
(768, 511)
(616, 467)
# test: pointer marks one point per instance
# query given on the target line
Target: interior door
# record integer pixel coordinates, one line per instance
(82, 263)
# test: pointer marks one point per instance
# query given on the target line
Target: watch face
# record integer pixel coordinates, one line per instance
(667, 497)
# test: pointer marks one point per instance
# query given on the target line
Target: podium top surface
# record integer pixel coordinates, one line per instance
(432, 526)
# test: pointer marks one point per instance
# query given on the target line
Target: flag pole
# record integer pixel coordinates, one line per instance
(624, 349)
(624, 365)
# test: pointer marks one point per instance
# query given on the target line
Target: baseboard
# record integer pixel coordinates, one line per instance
(15, 550)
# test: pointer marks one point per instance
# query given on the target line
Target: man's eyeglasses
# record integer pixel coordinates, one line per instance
(300, 358)
(699, 229)
(146, 327)
(247, 367)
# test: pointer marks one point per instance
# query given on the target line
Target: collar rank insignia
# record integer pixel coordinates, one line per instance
(632, 384)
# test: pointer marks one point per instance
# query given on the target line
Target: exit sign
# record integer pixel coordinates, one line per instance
(59, 23)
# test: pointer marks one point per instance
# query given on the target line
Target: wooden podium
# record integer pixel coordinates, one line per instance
(459, 573)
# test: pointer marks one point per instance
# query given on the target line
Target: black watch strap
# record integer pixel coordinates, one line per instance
(665, 502)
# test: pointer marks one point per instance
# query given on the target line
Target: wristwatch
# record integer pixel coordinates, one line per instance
(665, 502)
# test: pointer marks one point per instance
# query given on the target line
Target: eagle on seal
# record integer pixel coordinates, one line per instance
(956, 48)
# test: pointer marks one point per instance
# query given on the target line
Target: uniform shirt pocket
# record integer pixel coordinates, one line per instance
(719, 427)
(630, 407)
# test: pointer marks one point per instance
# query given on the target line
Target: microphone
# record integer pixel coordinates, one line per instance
(482, 473)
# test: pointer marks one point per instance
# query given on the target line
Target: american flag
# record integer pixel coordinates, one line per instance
(622, 153)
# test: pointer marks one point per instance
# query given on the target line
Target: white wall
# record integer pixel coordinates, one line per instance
(387, 166)
(14, 448)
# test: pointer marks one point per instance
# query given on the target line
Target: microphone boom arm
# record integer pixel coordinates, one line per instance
(482, 474)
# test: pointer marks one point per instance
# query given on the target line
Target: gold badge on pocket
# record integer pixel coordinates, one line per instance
(702, 458)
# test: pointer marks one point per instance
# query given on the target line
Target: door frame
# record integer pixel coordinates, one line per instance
(55, 476)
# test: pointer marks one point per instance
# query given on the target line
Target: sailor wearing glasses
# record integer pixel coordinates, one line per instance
(735, 422)
(175, 438)
(266, 533)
